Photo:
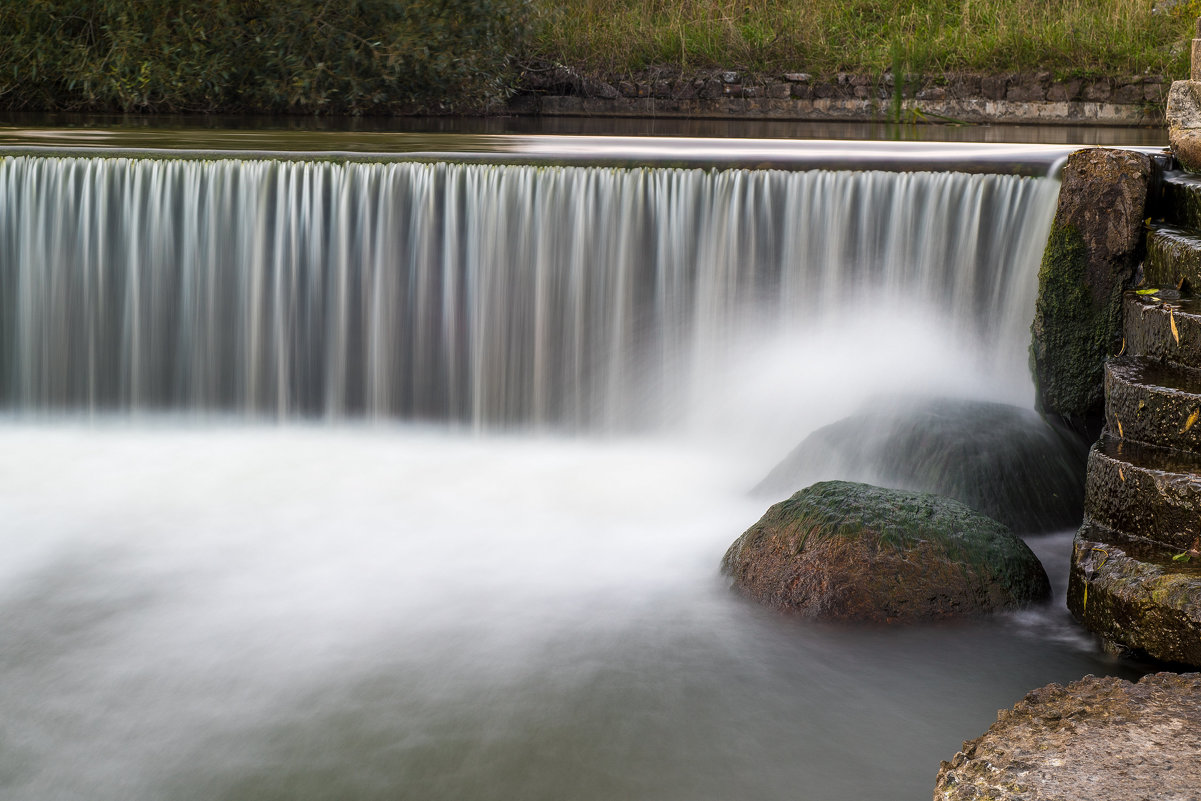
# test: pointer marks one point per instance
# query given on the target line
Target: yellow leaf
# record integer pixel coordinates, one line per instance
(1119, 422)
(1172, 322)
(1123, 350)
(1121, 475)
(1192, 418)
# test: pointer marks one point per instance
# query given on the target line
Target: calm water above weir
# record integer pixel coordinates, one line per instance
(410, 480)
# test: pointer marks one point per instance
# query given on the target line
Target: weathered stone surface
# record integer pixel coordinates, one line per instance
(1003, 461)
(1091, 255)
(1173, 255)
(846, 96)
(1183, 116)
(1097, 738)
(1152, 402)
(1180, 203)
(1137, 594)
(1165, 326)
(853, 552)
(1145, 491)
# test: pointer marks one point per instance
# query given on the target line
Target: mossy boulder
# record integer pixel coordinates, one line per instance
(1095, 245)
(854, 552)
(1003, 461)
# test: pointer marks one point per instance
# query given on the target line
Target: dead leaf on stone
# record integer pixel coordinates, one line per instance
(1119, 422)
(1121, 475)
(1192, 418)
(1172, 323)
(1123, 350)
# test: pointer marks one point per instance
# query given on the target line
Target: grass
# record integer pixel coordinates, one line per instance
(1070, 38)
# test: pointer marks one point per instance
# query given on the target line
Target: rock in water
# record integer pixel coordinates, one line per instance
(1003, 461)
(1094, 739)
(844, 551)
(1095, 244)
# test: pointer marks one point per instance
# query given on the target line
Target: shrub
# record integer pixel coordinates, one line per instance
(296, 56)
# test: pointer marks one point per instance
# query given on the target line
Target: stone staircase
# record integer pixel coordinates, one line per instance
(1136, 567)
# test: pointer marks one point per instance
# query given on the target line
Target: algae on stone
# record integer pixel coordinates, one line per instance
(1094, 247)
(844, 551)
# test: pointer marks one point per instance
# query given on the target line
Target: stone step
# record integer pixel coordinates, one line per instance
(1165, 326)
(1173, 255)
(1181, 200)
(1145, 491)
(1148, 401)
(1135, 593)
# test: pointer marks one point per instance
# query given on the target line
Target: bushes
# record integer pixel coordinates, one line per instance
(297, 56)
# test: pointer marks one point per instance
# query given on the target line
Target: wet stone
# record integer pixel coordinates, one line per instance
(1173, 255)
(852, 552)
(1153, 402)
(1164, 326)
(1097, 738)
(1137, 593)
(1145, 491)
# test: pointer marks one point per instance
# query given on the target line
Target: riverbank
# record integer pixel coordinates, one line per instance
(1031, 98)
(862, 60)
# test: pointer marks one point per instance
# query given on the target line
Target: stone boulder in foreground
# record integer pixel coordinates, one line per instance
(854, 552)
(1094, 739)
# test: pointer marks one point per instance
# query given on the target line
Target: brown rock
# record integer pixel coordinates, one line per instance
(1184, 123)
(839, 550)
(1095, 245)
(1094, 739)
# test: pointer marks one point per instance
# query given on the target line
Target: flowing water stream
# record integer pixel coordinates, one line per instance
(379, 480)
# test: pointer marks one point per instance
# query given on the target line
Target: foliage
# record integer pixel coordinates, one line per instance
(1069, 38)
(309, 56)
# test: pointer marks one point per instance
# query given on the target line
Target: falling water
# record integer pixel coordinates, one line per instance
(410, 481)
(477, 294)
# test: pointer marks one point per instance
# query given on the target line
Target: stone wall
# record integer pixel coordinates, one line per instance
(1013, 98)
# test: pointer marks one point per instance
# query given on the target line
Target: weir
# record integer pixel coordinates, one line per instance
(377, 478)
(479, 294)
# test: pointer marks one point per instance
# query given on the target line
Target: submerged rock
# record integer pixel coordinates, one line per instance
(844, 551)
(1003, 461)
(1096, 738)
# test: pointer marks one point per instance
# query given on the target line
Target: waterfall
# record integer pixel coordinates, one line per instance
(571, 297)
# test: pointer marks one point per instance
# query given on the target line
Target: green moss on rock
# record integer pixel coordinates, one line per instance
(1095, 245)
(846, 551)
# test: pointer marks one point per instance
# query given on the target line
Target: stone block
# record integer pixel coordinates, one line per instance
(964, 86)
(1129, 93)
(778, 90)
(993, 87)
(1099, 90)
(1061, 91)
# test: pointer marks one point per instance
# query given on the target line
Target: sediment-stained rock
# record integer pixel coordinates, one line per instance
(853, 552)
(1097, 738)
